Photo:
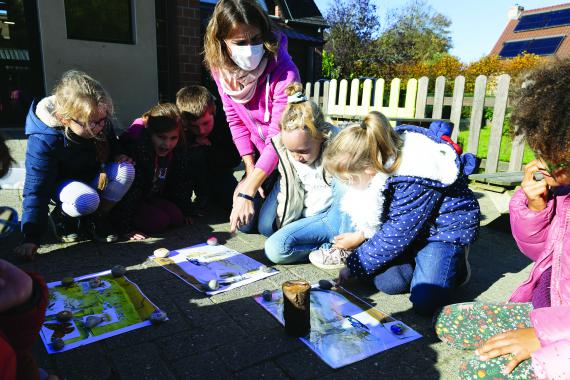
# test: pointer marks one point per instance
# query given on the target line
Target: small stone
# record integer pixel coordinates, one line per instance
(67, 281)
(397, 328)
(118, 271)
(92, 321)
(64, 316)
(57, 344)
(212, 240)
(158, 316)
(264, 269)
(213, 285)
(325, 284)
(267, 295)
(161, 253)
(94, 282)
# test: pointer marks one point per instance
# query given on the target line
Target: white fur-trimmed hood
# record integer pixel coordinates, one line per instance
(45, 110)
(423, 157)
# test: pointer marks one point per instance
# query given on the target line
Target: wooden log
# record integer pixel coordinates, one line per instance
(297, 307)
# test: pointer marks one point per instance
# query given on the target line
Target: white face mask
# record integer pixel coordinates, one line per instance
(247, 57)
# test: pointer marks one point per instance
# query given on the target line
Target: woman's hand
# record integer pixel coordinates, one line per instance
(242, 213)
(520, 343)
(123, 158)
(349, 240)
(15, 286)
(135, 235)
(27, 250)
(536, 191)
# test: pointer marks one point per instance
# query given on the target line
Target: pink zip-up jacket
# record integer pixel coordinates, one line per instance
(544, 237)
(254, 124)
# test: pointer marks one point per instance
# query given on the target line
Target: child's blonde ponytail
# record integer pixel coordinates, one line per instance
(303, 113)
(371, 144)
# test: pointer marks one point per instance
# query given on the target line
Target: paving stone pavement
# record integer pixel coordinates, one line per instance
(229, 335)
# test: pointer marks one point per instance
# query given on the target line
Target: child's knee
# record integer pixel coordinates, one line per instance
(390, 287)
(272, 251)
(427, 298)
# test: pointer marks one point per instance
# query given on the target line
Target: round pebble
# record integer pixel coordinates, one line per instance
(95, 282)
(264, 269)
(158, 316)
(57, 344)
(64, 316)
(212, 241)
(161, 252)
(213, 285)
(118, 271)
(397, 328)
(325, 284)
(93, 321)
(67, 281)
(267, 295)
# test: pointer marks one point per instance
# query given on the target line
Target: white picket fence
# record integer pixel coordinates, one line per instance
(337, 101)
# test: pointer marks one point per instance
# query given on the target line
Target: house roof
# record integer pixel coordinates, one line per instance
(304, 11)
(542, 31)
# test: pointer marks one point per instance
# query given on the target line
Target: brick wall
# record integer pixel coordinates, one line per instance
(189, 42)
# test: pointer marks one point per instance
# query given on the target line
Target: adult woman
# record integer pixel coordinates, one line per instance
(251, 67)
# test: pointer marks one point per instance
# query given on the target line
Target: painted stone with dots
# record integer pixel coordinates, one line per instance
(212, 240)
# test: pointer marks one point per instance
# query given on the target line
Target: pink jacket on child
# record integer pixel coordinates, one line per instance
(544, 237)
(257, 121)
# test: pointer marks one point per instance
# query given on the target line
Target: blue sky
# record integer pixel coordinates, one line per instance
(476, 24)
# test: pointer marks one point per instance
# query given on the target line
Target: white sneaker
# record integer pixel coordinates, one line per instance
(329, 258)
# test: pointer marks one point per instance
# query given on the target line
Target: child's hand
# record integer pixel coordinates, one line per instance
(535, 191)
(26, 250)
(343, 276)
(520, 343)
(15, 286)
(135, 235)
(349, 240)
(124, 158)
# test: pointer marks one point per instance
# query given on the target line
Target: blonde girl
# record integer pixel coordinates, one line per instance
(74, 159)
(410, 207)
(303, 194)
(249, 62)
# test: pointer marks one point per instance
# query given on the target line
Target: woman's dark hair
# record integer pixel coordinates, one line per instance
(541, 110)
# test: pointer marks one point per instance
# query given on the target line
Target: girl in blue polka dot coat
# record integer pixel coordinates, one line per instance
(412, 181)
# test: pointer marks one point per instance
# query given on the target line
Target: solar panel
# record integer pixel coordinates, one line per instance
(541, 46)
(543, 20)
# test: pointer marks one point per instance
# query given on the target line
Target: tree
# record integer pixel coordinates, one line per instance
(354, 25)
(416, 33)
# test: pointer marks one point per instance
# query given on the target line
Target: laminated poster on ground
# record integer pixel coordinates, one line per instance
(91, 308)
(213, 269)
(344, 328)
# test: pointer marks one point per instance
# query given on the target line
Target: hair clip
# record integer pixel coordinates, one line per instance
(297, 97)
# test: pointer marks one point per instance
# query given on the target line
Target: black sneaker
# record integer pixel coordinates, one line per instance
(64, 226)
(101, 229)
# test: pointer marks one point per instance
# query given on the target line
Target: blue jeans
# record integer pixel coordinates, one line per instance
(265, 213)
(429, 271)
(293, 242)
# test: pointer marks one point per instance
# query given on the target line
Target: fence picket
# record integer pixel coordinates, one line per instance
(476, 114)
(308, 90)
(409, 103)
(325, 103)
(317, 92)
(517, 152)
(354, 91)
(422, 97)
(331, 104)
(379, 95)
(438, 97)
(457, 105)
(501, 97)
(366, 97)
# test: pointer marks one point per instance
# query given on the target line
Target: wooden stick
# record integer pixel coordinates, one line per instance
(297, 307)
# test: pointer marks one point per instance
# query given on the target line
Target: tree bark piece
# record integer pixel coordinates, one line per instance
(297, 307)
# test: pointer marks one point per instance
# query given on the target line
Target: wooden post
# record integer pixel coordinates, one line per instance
(297, 307)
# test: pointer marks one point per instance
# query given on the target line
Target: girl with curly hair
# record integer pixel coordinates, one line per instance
(529, 337)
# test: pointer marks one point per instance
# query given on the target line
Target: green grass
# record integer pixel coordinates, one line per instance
(505, 150)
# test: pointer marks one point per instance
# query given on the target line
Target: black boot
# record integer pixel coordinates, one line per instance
(101, 228)
(64, 226)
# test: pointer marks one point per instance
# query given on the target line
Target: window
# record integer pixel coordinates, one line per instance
(544, 20)
(99, 20)
(540, 46)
